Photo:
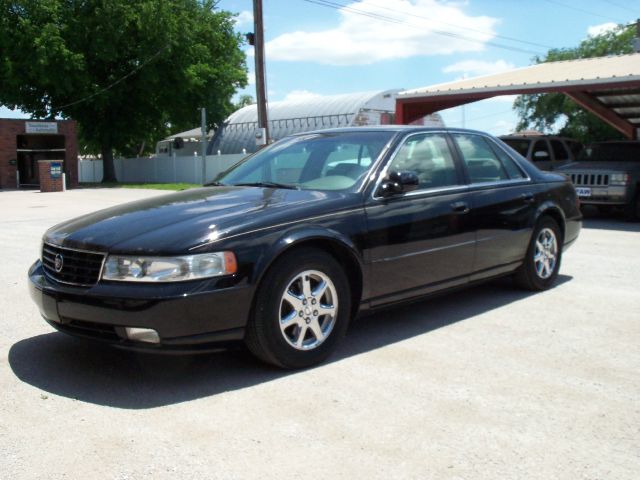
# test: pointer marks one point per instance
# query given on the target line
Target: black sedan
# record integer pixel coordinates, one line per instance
(287, 246)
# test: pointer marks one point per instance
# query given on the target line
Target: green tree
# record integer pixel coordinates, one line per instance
(243, 101)
(543, 111)
(126, 70)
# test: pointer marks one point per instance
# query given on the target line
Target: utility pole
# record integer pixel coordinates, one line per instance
(261, 94)
(203, 142)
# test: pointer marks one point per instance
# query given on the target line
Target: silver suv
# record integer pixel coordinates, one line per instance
(547, 152)
(607, 174)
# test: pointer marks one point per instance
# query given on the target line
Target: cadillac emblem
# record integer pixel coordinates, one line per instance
(58, 263)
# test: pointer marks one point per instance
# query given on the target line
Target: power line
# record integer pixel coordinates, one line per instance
(482, 117)
(624, 7)
(339, 6)
(571, 7)
(110, 86)
(504, 37)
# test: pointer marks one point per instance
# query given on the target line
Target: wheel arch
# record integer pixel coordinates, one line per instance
(331, 242)
(552, 210)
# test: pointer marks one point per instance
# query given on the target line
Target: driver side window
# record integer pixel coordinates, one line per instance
(429, 157)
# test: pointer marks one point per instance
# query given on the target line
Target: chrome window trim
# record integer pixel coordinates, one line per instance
(94, 252)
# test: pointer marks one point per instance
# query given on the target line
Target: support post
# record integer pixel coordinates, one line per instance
(203, 145)
(261, 93)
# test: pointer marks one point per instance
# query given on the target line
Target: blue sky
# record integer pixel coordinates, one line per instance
(316, 49)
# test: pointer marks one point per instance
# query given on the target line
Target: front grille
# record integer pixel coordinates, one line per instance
(590, 179)
(79, 267)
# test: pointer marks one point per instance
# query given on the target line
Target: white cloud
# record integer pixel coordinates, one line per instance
(411, 29)
(478, 67)
(299, 95)
(251, 78)
(596, 30)
(245, 17)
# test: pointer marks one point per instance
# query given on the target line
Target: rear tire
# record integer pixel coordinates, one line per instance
(542, 261)
(301, 311)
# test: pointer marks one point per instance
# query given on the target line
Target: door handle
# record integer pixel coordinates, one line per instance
(527, 197)
(460, 207)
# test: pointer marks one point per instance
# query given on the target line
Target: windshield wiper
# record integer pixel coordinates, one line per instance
(267, 184)
(214, 184)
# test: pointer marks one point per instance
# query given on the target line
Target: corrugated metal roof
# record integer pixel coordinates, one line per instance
(588, 71)
(295, 116)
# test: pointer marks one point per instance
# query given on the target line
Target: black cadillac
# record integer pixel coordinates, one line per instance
(287, 246)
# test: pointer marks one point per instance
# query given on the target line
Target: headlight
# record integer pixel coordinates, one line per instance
(130, 268)
(619, 179)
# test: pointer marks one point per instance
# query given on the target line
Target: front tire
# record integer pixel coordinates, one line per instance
(301, 311)
(542, 262)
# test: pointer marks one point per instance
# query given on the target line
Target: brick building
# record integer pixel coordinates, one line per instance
(24, 142)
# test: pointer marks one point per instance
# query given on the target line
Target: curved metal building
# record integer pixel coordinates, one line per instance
(238, 133)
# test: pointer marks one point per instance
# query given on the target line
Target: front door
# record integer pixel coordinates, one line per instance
(422, 240)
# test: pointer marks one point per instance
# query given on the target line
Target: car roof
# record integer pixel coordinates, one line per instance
(393, 128)
(536, 137)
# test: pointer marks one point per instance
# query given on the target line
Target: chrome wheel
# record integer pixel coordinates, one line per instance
(546, 253)
(308, 310)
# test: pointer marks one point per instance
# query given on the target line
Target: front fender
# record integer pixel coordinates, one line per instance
(301, 235)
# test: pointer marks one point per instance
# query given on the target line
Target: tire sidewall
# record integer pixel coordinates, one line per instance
(268, 300)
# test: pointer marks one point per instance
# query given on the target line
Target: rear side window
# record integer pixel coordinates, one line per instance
(559, 151)
(482, 163)
(508, 163)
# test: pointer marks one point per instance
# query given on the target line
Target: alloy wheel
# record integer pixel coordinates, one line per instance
(546, 253)
(308, 310)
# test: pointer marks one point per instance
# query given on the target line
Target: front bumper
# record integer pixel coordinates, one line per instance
(188, 316)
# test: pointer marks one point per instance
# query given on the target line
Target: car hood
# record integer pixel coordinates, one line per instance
(178, 222)
(600, 166)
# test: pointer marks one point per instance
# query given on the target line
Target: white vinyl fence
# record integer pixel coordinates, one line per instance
(160, 169)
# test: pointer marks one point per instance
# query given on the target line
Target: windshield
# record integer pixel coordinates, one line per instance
(519, 145)
(611, 152)
(318, 161)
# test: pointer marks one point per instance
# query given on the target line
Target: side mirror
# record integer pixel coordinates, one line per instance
(398, 183)
(541, 155)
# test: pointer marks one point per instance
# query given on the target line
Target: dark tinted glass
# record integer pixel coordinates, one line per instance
(542, 150)
(559, 152)
(611, 152)
(519, 145)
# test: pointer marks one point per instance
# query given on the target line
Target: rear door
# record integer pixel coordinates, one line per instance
(422, 240)
(504, 200)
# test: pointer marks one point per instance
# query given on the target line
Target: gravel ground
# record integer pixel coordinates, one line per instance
(486, 383)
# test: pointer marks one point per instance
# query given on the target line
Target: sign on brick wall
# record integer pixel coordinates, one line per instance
(41, 127)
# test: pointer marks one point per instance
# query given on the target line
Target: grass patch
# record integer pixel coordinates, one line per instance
(151, 186)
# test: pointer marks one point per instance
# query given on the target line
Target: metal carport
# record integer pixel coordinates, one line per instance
(609, 87)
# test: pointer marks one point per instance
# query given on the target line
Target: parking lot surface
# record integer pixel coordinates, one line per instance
(490, 382)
